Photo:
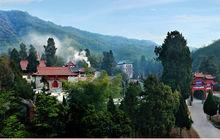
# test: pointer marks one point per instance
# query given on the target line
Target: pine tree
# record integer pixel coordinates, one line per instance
(23, 51)
(32, 60)
(177, 63)
(182, 117)
(50, 51)
(108, 62)
(210, 107)
(15, 60)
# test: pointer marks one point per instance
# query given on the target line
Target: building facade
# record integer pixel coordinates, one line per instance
(126, 67)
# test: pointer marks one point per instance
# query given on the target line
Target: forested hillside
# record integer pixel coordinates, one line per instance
(210, 56)
(17, 26)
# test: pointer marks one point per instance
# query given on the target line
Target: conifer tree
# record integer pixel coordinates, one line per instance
(23, 51)
(15, 60)
(210, 107)
(177, 63)
(50, 51)
(182, 117)
(32, 60)
(108, 62)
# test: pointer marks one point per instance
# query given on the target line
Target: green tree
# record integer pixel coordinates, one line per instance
(130, 103)
(12, 128)
(108, 62)
(121, 126)
(155, 115)
(4, 102)
(96, 123)
(209, 106)
(6, 74)
(182, 116)
(50, 51)
(23, 51)
(111, 106)
(177, 63)
(32, 60)
(22, 88)
(15, 60)
(47, 121)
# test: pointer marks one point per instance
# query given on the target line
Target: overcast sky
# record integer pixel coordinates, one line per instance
(198, 20)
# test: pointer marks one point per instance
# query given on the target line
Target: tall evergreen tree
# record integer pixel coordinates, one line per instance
(15, 60)
(177, 63)
(50, 51)
(182, 117)
(23, 51)
(32, 60)
(209, 106)
(108, 62)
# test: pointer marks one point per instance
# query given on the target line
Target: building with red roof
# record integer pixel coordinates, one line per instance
(52, 76)
(202, 82)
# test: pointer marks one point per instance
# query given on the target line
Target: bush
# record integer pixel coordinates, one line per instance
(199, 94)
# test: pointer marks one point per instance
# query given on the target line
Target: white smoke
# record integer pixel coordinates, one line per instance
(68, 52)
(81, 56)
(39, 40)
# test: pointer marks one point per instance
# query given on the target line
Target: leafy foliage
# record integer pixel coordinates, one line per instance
(12, 128)
(47, 122)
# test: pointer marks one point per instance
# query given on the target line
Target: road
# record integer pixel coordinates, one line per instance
(200, 123)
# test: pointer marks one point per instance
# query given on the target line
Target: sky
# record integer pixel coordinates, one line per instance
(197, 20)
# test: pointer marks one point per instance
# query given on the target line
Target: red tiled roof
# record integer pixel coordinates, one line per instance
(23, 64)
(209, 77)
(201, 75)
(54, 71)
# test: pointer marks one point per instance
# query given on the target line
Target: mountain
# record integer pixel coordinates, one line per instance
(210, 50)
(19, 26)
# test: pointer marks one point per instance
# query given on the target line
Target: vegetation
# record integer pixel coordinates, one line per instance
(210, 106)
(177, 63)
(102, 107)
(17, 25)
(108, 63)
(32, 60)
(177, 72)
(207, 59)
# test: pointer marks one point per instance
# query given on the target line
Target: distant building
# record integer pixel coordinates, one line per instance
(202, 82)
(51, 77)
(126, 67)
